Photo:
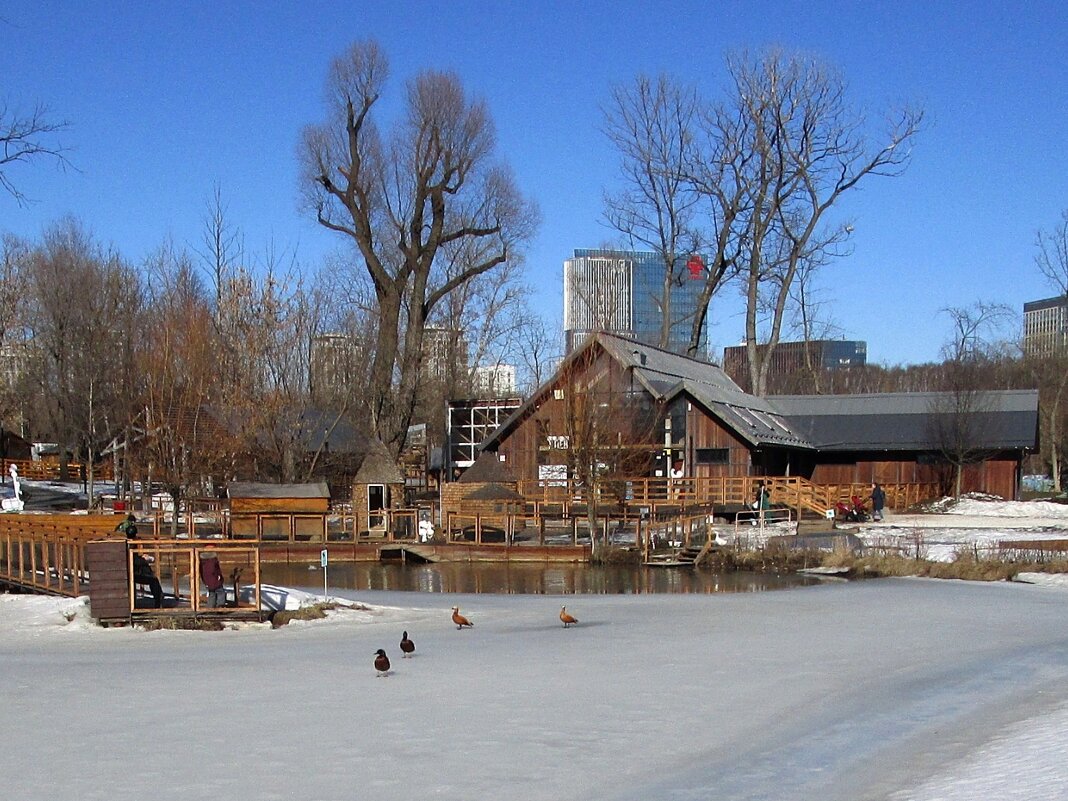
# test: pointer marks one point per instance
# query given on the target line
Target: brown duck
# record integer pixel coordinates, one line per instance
(381, 663)
(459, 619)
(406, 646)
(567, 619)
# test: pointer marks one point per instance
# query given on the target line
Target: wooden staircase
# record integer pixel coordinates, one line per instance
(800, 493)
(690, 556)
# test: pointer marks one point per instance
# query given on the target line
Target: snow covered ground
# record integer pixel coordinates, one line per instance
(970, 523)
(889, 689)
(903, 690)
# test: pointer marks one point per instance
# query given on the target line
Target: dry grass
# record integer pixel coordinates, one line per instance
(183, 623)
(966, 566)
(313, 612)
(616, 555)
(763, 560)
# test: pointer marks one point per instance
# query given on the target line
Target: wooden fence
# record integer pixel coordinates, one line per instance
(48, 470)
(795, 492)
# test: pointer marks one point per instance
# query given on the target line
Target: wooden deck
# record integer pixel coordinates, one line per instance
(73, 555)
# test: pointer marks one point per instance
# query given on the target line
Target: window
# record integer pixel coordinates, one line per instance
(713, 455)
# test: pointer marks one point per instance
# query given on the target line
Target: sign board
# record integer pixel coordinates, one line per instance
(324, 557)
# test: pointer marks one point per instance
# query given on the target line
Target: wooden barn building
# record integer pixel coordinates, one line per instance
(640, 410)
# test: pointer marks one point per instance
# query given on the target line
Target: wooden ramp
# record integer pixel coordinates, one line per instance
(407, 551)
(682, 557)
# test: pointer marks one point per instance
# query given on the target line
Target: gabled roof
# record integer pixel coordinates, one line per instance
(665, 375)
(1006, 419)
(254, 489)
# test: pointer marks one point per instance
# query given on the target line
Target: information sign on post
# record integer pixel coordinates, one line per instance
(324, 558)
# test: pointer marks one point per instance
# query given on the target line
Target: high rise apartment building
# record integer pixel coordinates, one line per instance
(622, 292)
(1046, 326)
(332, 366)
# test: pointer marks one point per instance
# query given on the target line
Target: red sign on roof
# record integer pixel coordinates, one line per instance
(696, 266)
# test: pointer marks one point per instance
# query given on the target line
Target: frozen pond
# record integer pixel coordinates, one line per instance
(524, 579)
(888, 690)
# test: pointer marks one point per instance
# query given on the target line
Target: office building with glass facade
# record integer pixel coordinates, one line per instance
(1046, 326)
(622, 292)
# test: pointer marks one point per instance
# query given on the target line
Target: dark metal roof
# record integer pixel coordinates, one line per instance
(889, 421)
(658, 371)
(1006, 419)
(753, 419)
(666, 375)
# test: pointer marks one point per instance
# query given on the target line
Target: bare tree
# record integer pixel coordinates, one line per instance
(651, 124)
(608, 420)
(268, 321)
(221, 247)
(14, 259)
(1052, 256)
(83, 318)
(805, 149)
(183, 445)
(1047, 354)
(957, 413)
(28, 137)
(429, 184)
(812, 321)
(538, 349)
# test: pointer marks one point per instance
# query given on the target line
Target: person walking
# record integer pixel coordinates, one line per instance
(878, 501)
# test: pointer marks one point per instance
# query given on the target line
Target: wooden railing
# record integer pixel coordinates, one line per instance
(42, 470)
(643, 533)
(43, 561)
(795, 492)
(48, 554)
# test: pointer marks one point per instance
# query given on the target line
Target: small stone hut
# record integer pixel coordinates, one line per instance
(377, 488)
(488, 487)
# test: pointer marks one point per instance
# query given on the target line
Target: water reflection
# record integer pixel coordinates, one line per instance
(526, 579)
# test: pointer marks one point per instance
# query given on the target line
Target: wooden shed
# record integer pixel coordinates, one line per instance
(279, 511)
(377, 488)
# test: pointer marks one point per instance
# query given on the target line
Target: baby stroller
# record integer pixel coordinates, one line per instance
(853, 512)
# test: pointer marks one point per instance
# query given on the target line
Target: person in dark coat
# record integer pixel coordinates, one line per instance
(878, 501)
(211, 576)
(143, 573)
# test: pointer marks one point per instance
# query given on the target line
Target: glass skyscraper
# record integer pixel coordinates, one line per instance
(622, 292)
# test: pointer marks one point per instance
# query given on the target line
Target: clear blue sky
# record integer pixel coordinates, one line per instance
(167, 99)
